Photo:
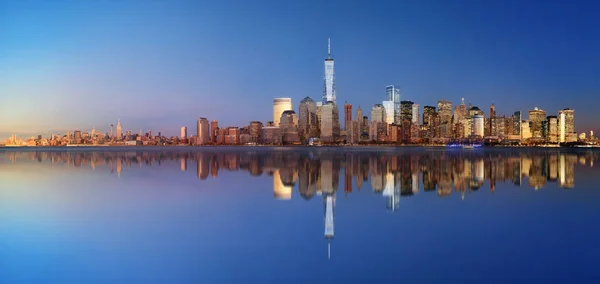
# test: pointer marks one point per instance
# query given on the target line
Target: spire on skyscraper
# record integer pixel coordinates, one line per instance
(328, 48)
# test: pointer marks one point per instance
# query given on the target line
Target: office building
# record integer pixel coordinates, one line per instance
(307, 119)
(255, 129)
(536, 117)
(478, 125)
(416, 114)
(389, 112)
(566, 125)
(330, 123)
(279, 106)
(517, 118)
(202, 131)
(393, 94)
(119, 129)
(406, 111)
(329, 78)
(552, 129)
(347, 116)
(183, 132)
(214, 130)
(378, 113)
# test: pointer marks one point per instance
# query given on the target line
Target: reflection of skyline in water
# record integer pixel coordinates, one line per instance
(394, 175)
(318, 173)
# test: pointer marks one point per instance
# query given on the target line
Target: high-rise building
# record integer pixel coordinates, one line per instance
(359, 119)
(428, 111)
(552, 129)
(329, 78)
(393, 94)
(279, 106)
(478, 125)
(416, 114)
(445, 111)
(77, 135)
(492, 121)
(202, 131)
(330, 122)
(389, 112)
(307, 119)
(183, 132)
(378, 113)
(214, 130)
(347, 115)
(289, 127)
(566, 125)
(255, 131)
(536, 117)
(406, 111)
(119, 129)
(517, 118)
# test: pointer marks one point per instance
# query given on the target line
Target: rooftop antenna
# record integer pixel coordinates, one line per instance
(328, 48)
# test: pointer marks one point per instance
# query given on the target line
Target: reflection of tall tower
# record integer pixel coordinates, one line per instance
(329, 214)
(119, 167)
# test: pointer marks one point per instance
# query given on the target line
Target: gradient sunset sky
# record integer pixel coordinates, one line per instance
(159, 65)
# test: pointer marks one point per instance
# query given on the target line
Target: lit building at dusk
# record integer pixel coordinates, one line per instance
(279, 106)
(329, 78)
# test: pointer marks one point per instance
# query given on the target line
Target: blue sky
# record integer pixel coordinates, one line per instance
(159, 65)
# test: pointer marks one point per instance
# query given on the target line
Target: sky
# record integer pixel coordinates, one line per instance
(160, 65)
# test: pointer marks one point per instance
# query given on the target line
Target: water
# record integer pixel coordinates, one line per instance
(284, 215)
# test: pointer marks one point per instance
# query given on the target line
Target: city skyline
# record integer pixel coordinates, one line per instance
(82, 82)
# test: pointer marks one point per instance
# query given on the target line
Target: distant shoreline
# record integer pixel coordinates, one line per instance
(291, 147)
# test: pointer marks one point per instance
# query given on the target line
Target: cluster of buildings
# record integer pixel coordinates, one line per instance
(393, 121)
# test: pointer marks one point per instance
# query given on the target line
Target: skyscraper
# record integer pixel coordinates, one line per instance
(307, 118)
(389, 112)
(214, 130)
(566, 125)
(279, 106)
(330, 122)
(393, 94)
(347, 115)
(119, 129)
(406, 111)
(445, 111)
(183, 132)
(492, 123)
(536, 116)
(202, 131)
(329, 77)
(517, 123)
(428, 111)
(552, 129)
(416, 114)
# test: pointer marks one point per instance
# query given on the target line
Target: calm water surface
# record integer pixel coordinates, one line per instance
(314, 215)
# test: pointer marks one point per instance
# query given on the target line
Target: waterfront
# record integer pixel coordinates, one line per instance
(259, 214)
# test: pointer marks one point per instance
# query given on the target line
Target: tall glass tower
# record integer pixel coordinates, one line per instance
(329, 78)
(393, 94)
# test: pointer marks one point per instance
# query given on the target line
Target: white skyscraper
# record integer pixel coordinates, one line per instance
(393, 94)
(279, 106)
(389, 111)
(329, 78)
